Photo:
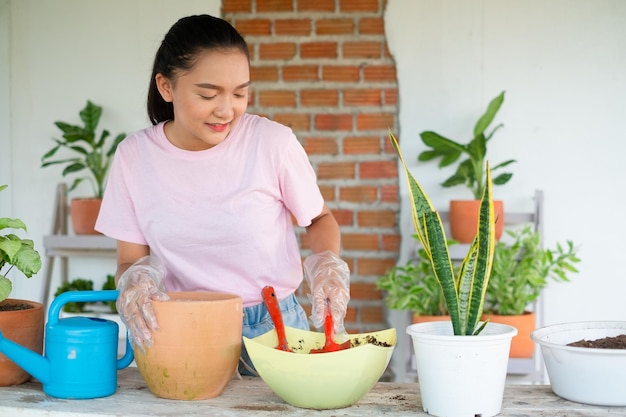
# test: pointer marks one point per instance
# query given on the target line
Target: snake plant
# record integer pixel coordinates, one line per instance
(465, 293)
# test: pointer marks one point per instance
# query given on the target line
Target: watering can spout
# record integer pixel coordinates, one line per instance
(33, 363)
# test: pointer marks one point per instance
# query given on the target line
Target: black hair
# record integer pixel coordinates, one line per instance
(185, 40)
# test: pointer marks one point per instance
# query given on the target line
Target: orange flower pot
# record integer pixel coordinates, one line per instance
(464, 219)
(197, 349)
(522, 345)
(84, 213)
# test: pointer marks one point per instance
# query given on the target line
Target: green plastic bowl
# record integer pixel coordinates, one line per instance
(323, 380)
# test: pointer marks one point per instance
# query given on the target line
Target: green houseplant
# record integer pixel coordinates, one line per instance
(470, 170)
(478, 350)
(413, 287)
(20, 320)
(93, 153)
(521, 270)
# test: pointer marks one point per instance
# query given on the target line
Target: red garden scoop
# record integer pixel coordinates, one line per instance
(271, 303)
(329, 332)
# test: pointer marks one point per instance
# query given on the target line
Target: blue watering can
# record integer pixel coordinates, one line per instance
(80, 352)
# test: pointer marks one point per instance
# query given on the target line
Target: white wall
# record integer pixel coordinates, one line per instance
(61, 53)
(563, 66)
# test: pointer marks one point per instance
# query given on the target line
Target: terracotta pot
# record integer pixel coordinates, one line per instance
(522, 345)
(197, 349)
(464, 219)
(84, 213)
(24, 327)
(426, 318)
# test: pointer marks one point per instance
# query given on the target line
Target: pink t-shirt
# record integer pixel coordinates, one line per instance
(219, 219)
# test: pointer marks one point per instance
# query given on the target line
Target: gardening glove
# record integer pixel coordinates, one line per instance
(141, 283)
(328, 277)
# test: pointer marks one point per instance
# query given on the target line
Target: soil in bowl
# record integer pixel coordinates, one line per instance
(615, 342)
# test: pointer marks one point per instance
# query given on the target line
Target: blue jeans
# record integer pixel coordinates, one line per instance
(257, 321)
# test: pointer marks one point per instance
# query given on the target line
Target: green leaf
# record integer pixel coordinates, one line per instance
(5, 287)
(7, 223)
(486, 119)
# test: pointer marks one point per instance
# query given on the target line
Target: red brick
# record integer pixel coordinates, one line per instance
(390, 96)
(391, 243)
(359, 5)
(389, 194)
(365, 290)
(372, 26)
(316, 5)
(362, 50)
(377, 218)
(264, 73)
(300, 73)
(359, 194)
(292, 27)
(328, 192)
(319, 98)
(362, 97)
(371, 121)
(249, 27)
(277, 98)
(342, 73)
(334, 26)
(336, 170)
(379, 73)
(325, 146)
(298, 122)
(316, 50)
(279, 50)
(372, 314)
(375, 267)
(359, 241)
(361, 145)
(231, 6)
(378, 169)
(333, 121)
(274, 6)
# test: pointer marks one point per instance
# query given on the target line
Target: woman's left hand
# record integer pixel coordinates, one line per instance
(328, 277)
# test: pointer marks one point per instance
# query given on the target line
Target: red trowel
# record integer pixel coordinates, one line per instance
(329, 332)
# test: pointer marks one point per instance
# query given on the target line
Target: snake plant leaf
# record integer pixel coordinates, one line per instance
(465, 295)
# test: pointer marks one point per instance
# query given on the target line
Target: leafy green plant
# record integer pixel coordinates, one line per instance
(15, 252)
(470, 172)
(78, 284)
(465, 292)
(91, 151)
(522, 268)
(414, 287)
(109, 284)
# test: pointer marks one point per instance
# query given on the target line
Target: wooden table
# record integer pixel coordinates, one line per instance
(251, 397)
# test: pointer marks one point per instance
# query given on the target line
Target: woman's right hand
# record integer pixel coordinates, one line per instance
(138, 286)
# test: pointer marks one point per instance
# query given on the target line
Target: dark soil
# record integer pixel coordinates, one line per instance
(371, 340)
(616, 342)
(6, 306)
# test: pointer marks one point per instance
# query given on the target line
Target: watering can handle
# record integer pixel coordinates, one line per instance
(78, 297)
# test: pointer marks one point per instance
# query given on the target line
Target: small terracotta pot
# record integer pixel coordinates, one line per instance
(197, 348)
(84, 213)
(464, 219)
(24, 327)
(522, 345)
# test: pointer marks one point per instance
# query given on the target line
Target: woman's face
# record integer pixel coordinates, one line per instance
(208, 100)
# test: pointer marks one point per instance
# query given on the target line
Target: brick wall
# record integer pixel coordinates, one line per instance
(322, 67)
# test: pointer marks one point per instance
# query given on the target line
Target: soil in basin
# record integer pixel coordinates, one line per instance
(615, 342)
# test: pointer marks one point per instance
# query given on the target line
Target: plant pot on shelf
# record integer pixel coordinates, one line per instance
(474, 385)
(84, 213)
(24, 327)
(464, 219)
(583, 374)
(522, 346)
(197, 348)
(424, 318)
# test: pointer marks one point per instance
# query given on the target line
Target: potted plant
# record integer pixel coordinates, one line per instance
(469, 172)
(478, 350)
(20, 320)
(414, 287)
(92, 153)
(521, 270)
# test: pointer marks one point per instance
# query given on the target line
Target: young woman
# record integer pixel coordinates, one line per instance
(204, 198)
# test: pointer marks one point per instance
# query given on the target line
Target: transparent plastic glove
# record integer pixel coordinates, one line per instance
(139, 286)
(328, 277)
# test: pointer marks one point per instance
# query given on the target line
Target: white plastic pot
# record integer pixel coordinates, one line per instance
(585, 375)
(461, 376)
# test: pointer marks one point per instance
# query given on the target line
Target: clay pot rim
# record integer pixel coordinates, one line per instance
(35, 304)
(199, 296)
